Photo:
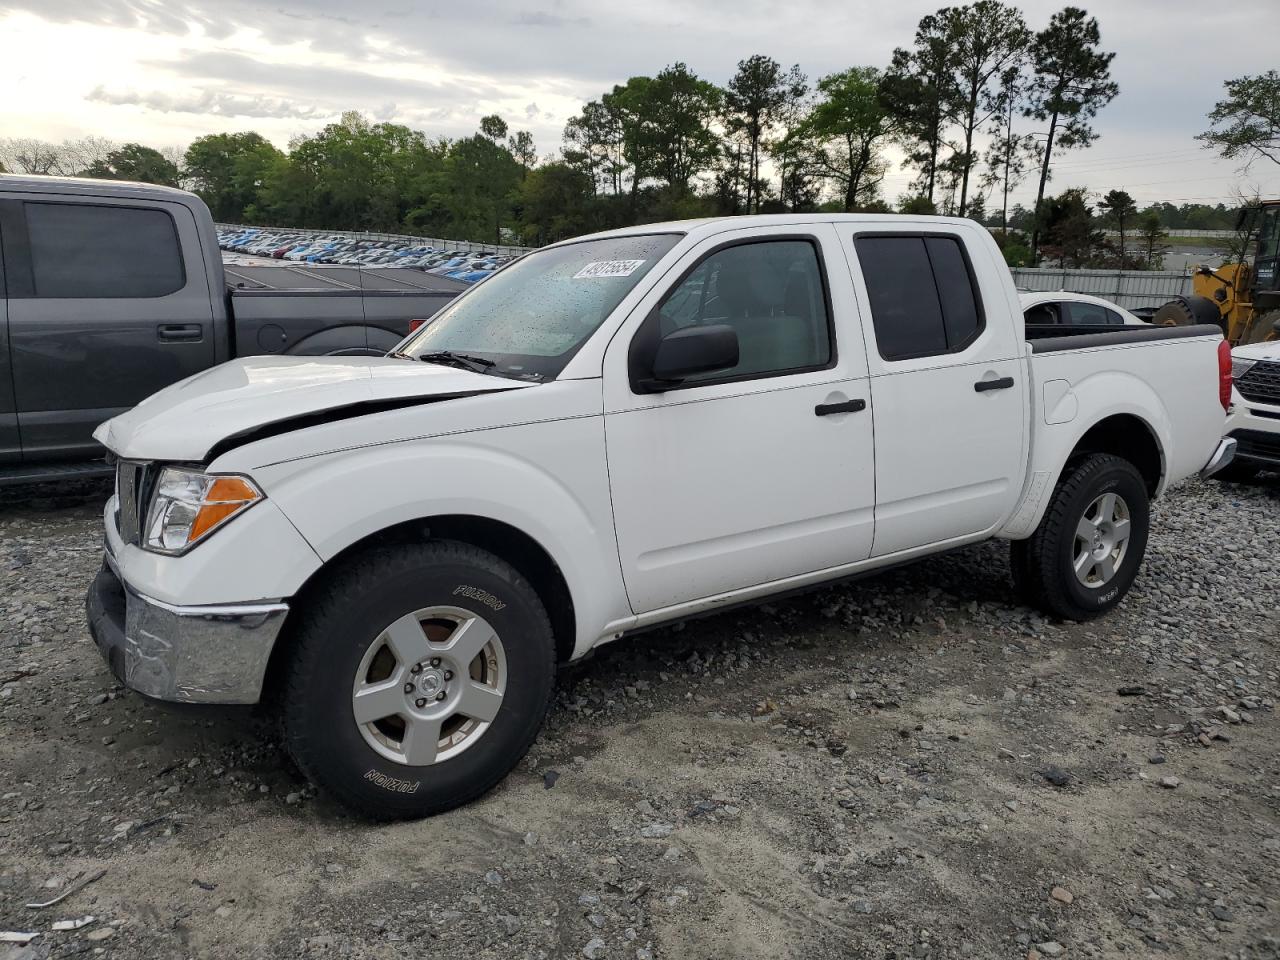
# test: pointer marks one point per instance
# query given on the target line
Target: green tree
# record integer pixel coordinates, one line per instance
(493, 127)
(1246, 124)
(353, 174)
(1071, 83)
(474, 191)
(1152, 236)
(987, 39)
(1010, 152)
(133, 161)
(917, 206)
(919, 92)
(1070, 232)
(1119, 209)
(520, 145)
(667, 126)
(595, 141)
(228, 170)
(755, 101)
(843, 134)
(556, 202)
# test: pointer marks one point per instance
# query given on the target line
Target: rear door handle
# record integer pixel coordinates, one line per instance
(179, 332)
(847, 406)
(1002, 383)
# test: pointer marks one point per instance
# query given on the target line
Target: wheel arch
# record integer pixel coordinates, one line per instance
(1126, 433)
(1129, 437)
(516, 547)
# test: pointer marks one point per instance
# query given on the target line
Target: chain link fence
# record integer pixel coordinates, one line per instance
(1128, 288)
(398, 239)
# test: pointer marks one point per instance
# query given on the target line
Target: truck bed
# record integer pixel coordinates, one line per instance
(1049, 337)
(329, 309)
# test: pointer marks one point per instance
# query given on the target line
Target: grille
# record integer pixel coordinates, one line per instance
(132, 490)
(1257, 445)
(1262, 383)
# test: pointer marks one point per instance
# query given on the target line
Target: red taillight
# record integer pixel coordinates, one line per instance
(1224, 374)
(415, 324)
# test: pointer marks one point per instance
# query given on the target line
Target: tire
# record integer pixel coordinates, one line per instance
(1237, 473)
(358, 620)
(1044, 565)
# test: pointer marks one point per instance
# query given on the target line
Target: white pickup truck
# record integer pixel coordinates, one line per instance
(614, 432)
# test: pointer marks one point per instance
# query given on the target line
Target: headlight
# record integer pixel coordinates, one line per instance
(189, 505)
(1240, 366)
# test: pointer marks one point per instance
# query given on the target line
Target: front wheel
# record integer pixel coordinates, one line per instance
(1084, 556)
(419, 677)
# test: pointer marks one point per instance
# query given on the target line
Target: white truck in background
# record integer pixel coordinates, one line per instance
(1253, 419)
(614, 432)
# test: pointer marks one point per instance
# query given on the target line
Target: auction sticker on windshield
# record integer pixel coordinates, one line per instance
(608, 268)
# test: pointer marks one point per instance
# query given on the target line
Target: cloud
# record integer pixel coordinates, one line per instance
(282, 66)
(320, 80)
(540, 18)
(211, 103)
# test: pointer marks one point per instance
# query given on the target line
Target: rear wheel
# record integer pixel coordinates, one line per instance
(1084, 556)
(418, 680)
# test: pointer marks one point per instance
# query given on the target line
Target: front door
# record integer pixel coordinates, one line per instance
(108, 303)
(761, 472)
(948, 380)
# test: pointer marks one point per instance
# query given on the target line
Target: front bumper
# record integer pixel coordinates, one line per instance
(1259, 448)
(1222, 457)
(198, 654)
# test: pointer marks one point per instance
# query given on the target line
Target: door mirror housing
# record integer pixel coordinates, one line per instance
(689, 351)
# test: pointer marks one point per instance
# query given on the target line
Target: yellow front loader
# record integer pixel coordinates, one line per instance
(1242, 297)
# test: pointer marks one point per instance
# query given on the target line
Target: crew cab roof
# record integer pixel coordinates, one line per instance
(89, 187)
(712, 225)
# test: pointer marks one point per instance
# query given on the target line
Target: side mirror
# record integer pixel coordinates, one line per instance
(690, 351)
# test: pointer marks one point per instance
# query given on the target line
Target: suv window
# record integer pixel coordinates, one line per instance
(1090, 313)
(771, 292)
(923, 302)
(1042, 313)
(82, 250)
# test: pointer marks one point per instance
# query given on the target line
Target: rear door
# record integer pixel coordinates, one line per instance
(10, 448)
(108, 303)
(947, 383)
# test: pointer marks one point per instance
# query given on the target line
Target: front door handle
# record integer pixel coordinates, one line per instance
(1002, 383)
(847, 406)
(179, 332)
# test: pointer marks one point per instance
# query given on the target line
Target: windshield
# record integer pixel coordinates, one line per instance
(531, 318)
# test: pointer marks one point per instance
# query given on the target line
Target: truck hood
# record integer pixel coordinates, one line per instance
(260, 396)
(1258, 351)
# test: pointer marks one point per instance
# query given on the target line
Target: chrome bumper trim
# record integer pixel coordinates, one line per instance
(1222, 457)
(197, 654)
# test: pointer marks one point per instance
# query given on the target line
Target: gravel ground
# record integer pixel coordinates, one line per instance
(908, 766)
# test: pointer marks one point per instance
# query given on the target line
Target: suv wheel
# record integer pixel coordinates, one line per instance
(1084, 556)
(418, 679)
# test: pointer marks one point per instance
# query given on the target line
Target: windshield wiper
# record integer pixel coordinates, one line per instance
(464, 360)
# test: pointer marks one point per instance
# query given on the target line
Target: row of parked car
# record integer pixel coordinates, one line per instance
(309, 248)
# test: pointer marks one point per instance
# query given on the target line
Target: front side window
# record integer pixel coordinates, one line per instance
(1091, 314)
(82, 250)
(531, 318)
(923, 301)
(773, 296)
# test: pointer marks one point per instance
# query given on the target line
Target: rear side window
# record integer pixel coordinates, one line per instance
(923, 301)
(81, 250)
(1091, 313)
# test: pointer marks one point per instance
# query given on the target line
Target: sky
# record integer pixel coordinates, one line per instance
(164, 73)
